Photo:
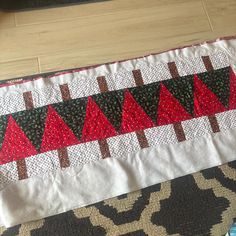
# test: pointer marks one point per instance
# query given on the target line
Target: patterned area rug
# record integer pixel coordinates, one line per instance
(200, 204)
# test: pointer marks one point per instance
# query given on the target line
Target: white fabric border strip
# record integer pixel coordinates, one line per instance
(36, 198)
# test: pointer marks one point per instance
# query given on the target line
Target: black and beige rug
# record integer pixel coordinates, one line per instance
(195, 205)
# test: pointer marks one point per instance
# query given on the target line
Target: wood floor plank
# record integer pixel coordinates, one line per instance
(123, 33)
(84, 10)
(23, 67)
(116, 52)
(222, 15)
(7, 20)
(100, 32)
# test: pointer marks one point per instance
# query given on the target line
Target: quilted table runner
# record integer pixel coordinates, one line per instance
(74, 138)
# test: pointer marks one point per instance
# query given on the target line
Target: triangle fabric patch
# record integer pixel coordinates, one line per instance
(73, 113)
(169, 109)
(15, 145)
(96, 124)
(147, 97)
(3, 126)
(56, 133)
(32, 122)
(205, 101)
(133, 117)
(232, 99)
(182, 90)
(111, 104)
(218, 82)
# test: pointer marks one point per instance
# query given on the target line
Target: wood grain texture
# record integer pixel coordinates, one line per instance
(18, 68)
(222, 16)
(94, 33)
(7, 20)
(78, 11)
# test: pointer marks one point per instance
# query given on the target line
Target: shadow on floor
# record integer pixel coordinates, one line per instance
(19, 5)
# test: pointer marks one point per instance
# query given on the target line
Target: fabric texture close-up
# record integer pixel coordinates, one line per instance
(162, 125)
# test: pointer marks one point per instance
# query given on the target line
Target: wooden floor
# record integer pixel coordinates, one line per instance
(76, 36)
